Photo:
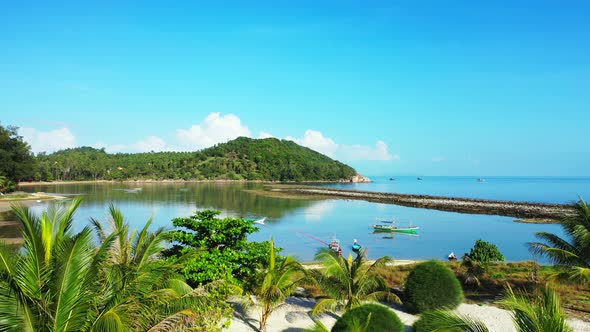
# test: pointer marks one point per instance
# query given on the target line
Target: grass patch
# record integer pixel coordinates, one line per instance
(519, 275)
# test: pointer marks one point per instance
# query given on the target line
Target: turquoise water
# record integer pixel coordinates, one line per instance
(440, 232)
(531, 189)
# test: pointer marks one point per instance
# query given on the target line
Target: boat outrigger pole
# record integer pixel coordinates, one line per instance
(311, 237)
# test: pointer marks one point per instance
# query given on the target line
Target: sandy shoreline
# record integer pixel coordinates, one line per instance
(34, 198)
(295, 315)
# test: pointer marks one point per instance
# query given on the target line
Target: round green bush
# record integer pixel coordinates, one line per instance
(382, 319)
(432, 285)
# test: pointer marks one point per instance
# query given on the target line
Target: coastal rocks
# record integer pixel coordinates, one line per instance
(526, 210)
(358, 178)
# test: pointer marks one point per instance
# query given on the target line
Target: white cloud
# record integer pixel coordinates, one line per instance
(150, 143)
(319, 210)
(315, 140)
(439, 159)
(362, 152)
(48, 141)
(215, 129)
(264, 134)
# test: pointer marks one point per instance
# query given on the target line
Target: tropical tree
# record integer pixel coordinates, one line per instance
(140, 290)
(212, 248)
(6, 185)
(278, 281)
(349, 282)
(17, 162)
(540, 314)
(62, 281)
(572, 257)
(47, 286)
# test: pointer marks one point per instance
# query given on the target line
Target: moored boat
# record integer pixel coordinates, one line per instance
(394, 229)
(356, 247)
(334, 245)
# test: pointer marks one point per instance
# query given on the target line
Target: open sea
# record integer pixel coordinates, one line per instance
(301, 226)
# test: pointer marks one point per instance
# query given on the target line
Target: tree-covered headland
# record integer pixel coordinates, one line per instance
(244, 158)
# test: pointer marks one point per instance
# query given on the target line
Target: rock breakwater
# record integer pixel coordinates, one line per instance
(527, 210)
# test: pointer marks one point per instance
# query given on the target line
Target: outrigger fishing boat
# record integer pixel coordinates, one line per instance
(356, 247)
(334, 245)
(390, 227)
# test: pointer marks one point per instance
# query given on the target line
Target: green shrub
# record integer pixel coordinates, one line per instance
(485, 252)
(369, 318)
(432, 285)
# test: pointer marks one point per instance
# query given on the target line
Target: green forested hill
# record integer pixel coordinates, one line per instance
(242, 158)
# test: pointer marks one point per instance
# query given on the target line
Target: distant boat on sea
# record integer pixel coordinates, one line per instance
(481, 180)
(418, 178)
(391, 179)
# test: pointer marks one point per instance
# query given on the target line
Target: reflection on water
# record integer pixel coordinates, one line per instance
(228, 197)
(440, 232)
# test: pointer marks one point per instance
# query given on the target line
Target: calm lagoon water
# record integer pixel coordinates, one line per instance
(440, 232)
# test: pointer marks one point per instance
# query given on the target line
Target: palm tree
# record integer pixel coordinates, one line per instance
(139, 290)
(61, 281)
(350, 282)
(573, 257)
(543, 314)
(47, 285)
(280, 279)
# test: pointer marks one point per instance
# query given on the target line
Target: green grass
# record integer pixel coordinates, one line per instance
(519, 275)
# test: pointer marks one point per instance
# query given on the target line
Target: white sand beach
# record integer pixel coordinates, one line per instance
(295, 316)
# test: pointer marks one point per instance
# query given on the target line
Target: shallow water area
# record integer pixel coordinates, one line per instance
(301, 226)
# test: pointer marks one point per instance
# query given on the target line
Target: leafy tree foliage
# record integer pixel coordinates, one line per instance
(212, 248)
(243, 158)
(572, 257)
(16, 160)
(348, 283)
(63, 281)
(485, 252)
(432, 285)
(6, 185)
(369, 318)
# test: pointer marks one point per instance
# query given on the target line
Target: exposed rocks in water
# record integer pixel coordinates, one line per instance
(526, 210)
(358, 178)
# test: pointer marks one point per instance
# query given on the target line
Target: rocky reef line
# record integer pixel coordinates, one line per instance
(541, 212)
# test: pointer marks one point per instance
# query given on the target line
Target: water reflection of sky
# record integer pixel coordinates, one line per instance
(440, 232)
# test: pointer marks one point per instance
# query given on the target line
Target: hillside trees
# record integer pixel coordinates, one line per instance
(243, 158)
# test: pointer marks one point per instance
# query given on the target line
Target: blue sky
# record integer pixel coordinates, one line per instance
(390, 87)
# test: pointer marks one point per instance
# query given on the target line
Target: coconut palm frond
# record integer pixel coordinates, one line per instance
(573, 254)
(351, 282)
(317, 327)
(68, 282)
(542, 314)
(324, 305)
(555, 241)
(444, 320)
(176, 320)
